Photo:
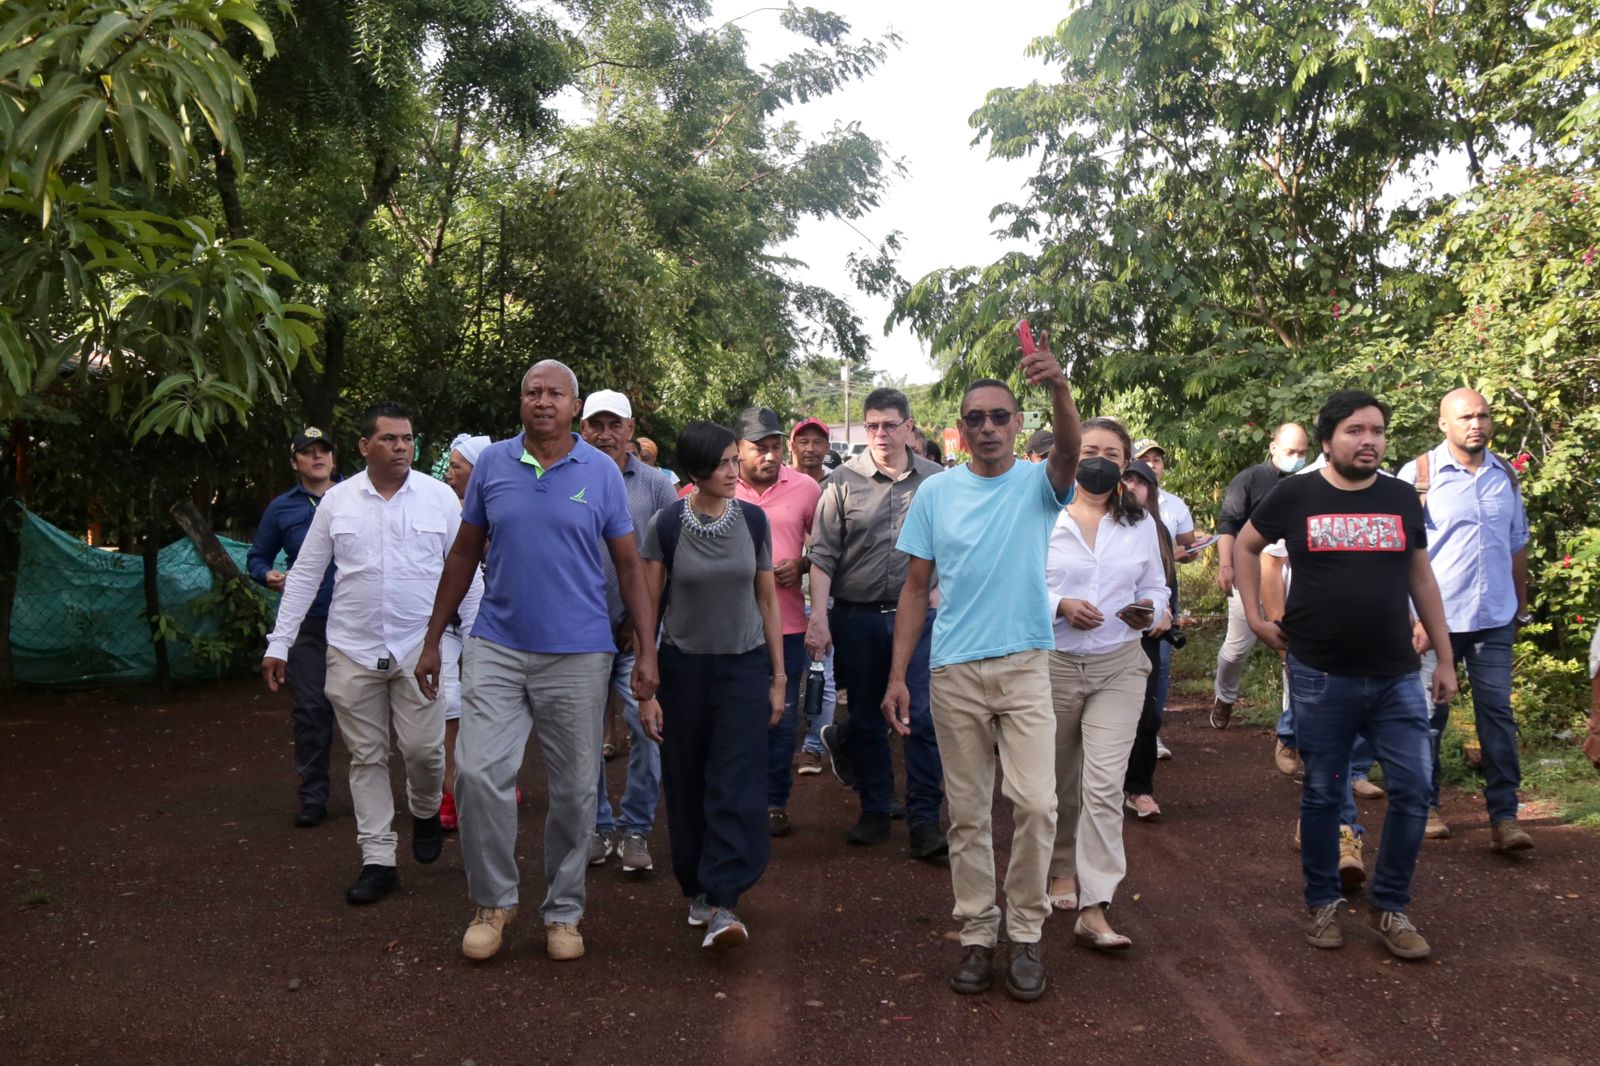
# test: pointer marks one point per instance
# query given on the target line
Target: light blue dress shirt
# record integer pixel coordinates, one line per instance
(1476, 523)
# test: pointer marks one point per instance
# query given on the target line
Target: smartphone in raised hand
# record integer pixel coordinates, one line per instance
(1025, 335)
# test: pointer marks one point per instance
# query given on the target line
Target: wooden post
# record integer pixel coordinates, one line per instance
(193, 523)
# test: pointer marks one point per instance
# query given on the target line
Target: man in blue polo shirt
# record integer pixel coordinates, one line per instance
(540, 652)
(283, 529)
(986, 526)
(1477, 542)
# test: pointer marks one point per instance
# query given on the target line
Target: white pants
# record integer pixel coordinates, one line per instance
(365, 702)
(1235, 651)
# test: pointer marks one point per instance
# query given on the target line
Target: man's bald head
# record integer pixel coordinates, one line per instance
(1466, 421)
(1289, 446)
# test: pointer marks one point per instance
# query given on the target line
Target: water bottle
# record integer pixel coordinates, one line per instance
(816, 681)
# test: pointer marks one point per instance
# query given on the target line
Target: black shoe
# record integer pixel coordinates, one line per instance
(374, 883)
(778, 822)
(311, 815)
(975, 971)
(928, 842)
(1025, 979)
(427, 838)
(872, 828)
(897, 811)
(838, 758)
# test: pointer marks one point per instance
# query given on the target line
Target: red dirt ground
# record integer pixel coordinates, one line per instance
(157, 906)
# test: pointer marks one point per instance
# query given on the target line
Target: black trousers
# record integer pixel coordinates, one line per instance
(306, 671)
(714, 770)
(1141, 775)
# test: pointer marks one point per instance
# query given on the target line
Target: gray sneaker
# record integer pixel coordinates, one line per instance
(700, 911)
(726, 931)
(635, 852)
(600, 848)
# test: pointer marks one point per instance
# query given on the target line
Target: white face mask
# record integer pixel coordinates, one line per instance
(1289, 464)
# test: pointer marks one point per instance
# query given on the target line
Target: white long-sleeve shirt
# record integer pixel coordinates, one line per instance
(1123, 567)
(390, 554)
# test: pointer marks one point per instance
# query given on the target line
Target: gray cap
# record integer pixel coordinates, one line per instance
(758, 423)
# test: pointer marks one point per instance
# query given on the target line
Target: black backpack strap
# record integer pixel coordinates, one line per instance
(755, 520)
(668, 525)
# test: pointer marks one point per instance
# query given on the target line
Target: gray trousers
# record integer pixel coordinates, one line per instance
(313, 714)
(504, 694)
(1235, 651)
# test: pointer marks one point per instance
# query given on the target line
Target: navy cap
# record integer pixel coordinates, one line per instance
(759, 423)
(309, 436)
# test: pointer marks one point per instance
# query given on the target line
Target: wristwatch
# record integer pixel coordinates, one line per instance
(1524, 619)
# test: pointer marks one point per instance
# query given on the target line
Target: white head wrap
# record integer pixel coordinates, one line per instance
(469, 446)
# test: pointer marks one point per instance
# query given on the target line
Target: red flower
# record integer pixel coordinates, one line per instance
(1580, 619)
(1566, 561)
(1250, 423)
(1520, 463)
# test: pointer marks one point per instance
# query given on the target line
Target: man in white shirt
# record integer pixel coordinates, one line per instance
(388, 529)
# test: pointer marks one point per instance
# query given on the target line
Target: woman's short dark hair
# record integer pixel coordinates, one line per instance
(1340, 406)
(700, 448)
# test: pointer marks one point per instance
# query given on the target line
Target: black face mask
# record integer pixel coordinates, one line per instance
(1098, 474)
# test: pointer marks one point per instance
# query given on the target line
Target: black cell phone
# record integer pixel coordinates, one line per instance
(1138, 615)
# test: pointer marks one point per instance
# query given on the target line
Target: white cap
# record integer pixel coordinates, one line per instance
(608, 400)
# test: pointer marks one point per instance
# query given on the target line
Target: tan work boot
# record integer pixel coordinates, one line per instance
(1322, 930)
(1352, 871)
(1221, 714)
(1287, 760)
(563, 942)
(1366, 790)
(486, 932)
(1437, 829)
(1507, 835)
(1399, 935)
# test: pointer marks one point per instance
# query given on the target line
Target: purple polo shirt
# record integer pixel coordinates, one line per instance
(545, 590)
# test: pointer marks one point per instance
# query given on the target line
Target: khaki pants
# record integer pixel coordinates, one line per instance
(365, 702)
(1098, 699)
(976, 705)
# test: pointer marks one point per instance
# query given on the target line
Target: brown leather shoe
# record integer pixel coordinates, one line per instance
(1437, 829)
(1366, 790)
(1287, 760)
(1352, 869)
(1507, 836)
(1221, 714)
(975, 971)
(1025, 976)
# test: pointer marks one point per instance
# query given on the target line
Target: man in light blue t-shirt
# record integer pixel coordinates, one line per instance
(986, 526)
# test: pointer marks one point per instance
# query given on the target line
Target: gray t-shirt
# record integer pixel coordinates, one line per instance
(712, 608)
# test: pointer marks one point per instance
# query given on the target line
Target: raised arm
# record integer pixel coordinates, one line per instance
(1042, 368)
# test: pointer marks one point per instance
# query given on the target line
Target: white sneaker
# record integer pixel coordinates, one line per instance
(1162, 751)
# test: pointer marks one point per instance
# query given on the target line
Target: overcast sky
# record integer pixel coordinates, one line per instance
(918, 104)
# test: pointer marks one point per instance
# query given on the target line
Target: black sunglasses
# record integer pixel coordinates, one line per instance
(999, 416)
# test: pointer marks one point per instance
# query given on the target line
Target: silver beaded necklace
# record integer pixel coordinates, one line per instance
(713, 528)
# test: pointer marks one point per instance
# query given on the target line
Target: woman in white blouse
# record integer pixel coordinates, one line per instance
(1104, 566)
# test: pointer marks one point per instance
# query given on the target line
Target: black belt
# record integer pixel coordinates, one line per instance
(880, 606)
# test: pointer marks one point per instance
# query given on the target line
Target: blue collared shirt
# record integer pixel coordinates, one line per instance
(283, 528)
(1476, 523)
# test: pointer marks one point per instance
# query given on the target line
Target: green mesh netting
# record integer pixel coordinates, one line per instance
(79, 615)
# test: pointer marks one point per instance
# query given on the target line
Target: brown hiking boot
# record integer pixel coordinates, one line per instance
(563, 942)
(1352, 871)
(486, 932)
(1509, 836)
(1322, 930)
(1287, 760)
(1366, 790)
(1221, 714)
(1399, 935)
(1437, 829)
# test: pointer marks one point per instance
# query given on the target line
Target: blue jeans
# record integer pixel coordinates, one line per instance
(1361, 757)
(1330, 712)
(1487, 655)
(864, 639)
(780, 738)
(643, 788)
(830, 701)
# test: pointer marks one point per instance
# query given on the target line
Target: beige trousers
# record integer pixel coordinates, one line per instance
(365, 702)
(977, 705)
(1097, 700)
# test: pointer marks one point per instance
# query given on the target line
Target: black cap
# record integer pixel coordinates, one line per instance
(1041, 442)
(1143, 469)
(309, 436)
(758, 423)
(831, 460)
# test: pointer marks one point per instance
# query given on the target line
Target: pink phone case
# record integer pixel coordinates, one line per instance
(1025, 335)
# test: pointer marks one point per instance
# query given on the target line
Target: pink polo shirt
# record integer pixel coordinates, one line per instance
(789, 505)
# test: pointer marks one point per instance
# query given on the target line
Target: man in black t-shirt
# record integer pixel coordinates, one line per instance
(1359, 552)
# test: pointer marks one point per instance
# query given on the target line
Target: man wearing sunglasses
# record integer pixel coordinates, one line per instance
(986, 525)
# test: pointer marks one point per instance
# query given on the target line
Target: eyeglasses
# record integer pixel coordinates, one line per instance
(882, 427)
(999, 416)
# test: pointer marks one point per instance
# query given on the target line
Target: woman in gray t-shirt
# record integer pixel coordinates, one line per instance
(721, 664)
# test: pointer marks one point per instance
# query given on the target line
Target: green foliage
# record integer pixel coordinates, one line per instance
(228, 626)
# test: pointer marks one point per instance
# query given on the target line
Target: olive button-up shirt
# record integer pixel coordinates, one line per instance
(857, 523)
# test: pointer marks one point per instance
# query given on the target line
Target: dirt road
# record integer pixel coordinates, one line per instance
(159, 907)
